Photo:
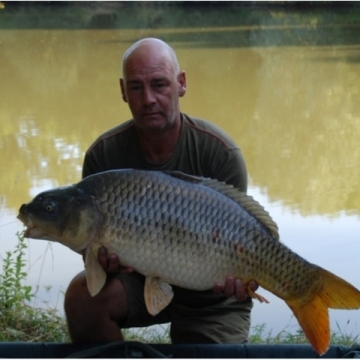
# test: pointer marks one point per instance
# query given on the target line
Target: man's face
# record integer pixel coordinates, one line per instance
(152, 89)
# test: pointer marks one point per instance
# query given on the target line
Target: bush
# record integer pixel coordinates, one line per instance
(18, 320)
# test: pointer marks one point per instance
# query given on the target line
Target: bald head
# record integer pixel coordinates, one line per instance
(152, 84)
(149, 47)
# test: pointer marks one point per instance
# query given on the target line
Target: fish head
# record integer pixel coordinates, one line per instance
(66, 215)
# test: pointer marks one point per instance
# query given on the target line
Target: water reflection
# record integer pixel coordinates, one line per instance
(294, 115)
(307, 127)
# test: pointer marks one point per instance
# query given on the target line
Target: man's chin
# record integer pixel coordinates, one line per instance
(152, 123)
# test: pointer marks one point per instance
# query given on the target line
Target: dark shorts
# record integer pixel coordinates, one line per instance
(195, 316)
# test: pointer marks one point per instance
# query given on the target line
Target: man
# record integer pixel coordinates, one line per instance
(160, 137)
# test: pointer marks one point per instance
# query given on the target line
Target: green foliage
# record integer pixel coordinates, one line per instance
(149, 335)
(340, 338)
(12, 291)
(259, 335)
(18, 320)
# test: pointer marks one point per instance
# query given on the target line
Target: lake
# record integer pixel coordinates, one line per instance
(283, 84)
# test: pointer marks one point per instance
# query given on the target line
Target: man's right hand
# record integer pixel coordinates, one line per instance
(110, 263)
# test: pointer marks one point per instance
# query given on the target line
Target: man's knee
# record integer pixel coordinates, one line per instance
(111, 299)
(97, 318)
(75, 292)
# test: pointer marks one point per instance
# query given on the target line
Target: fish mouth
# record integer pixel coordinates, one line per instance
(31, 230)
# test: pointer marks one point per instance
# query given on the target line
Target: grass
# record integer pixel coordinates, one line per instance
(258, 335)
(19, 321)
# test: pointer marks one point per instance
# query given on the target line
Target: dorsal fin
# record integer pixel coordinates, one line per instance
(244, 200)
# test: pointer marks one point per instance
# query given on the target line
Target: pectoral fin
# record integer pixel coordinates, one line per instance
(255, 295)
(95, 274)
(158, 294)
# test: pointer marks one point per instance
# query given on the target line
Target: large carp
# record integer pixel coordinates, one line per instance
(187, 231)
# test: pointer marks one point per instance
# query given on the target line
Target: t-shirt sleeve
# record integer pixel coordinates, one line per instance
(220, 157)
(231, 168)
(90, 165)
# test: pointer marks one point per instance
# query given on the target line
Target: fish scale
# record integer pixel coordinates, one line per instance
(203, 214)
(206, 215)
(186, 231)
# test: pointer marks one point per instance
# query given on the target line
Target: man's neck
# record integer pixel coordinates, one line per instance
(159, 146)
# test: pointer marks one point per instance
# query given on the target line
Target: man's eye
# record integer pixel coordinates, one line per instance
(159, 85)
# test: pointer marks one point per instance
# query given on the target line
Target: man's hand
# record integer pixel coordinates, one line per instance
(235, 287)
(110, 263)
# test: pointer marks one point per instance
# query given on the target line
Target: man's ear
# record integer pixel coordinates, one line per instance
(122, 89)
(182, 83)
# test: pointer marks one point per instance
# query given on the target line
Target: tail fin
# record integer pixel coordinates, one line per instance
(313, 317)
(338, 293)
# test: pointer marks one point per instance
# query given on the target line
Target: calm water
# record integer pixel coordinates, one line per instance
(292, 108)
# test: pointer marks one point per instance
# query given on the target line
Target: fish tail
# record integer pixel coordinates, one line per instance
(313, 317)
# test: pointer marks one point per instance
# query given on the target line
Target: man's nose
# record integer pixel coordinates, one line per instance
(148, 96)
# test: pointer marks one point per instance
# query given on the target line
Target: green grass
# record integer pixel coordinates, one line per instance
(19, 321)
(149, 335)
(258, 335)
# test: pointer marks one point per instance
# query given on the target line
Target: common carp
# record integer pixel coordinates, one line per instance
(187, 231)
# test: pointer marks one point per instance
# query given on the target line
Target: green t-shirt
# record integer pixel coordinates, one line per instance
(203, 149)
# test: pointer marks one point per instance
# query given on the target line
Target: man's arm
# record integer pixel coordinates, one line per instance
(230, 167)
(90, 165)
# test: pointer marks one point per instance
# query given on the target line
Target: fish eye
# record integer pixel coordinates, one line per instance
(50, 206)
